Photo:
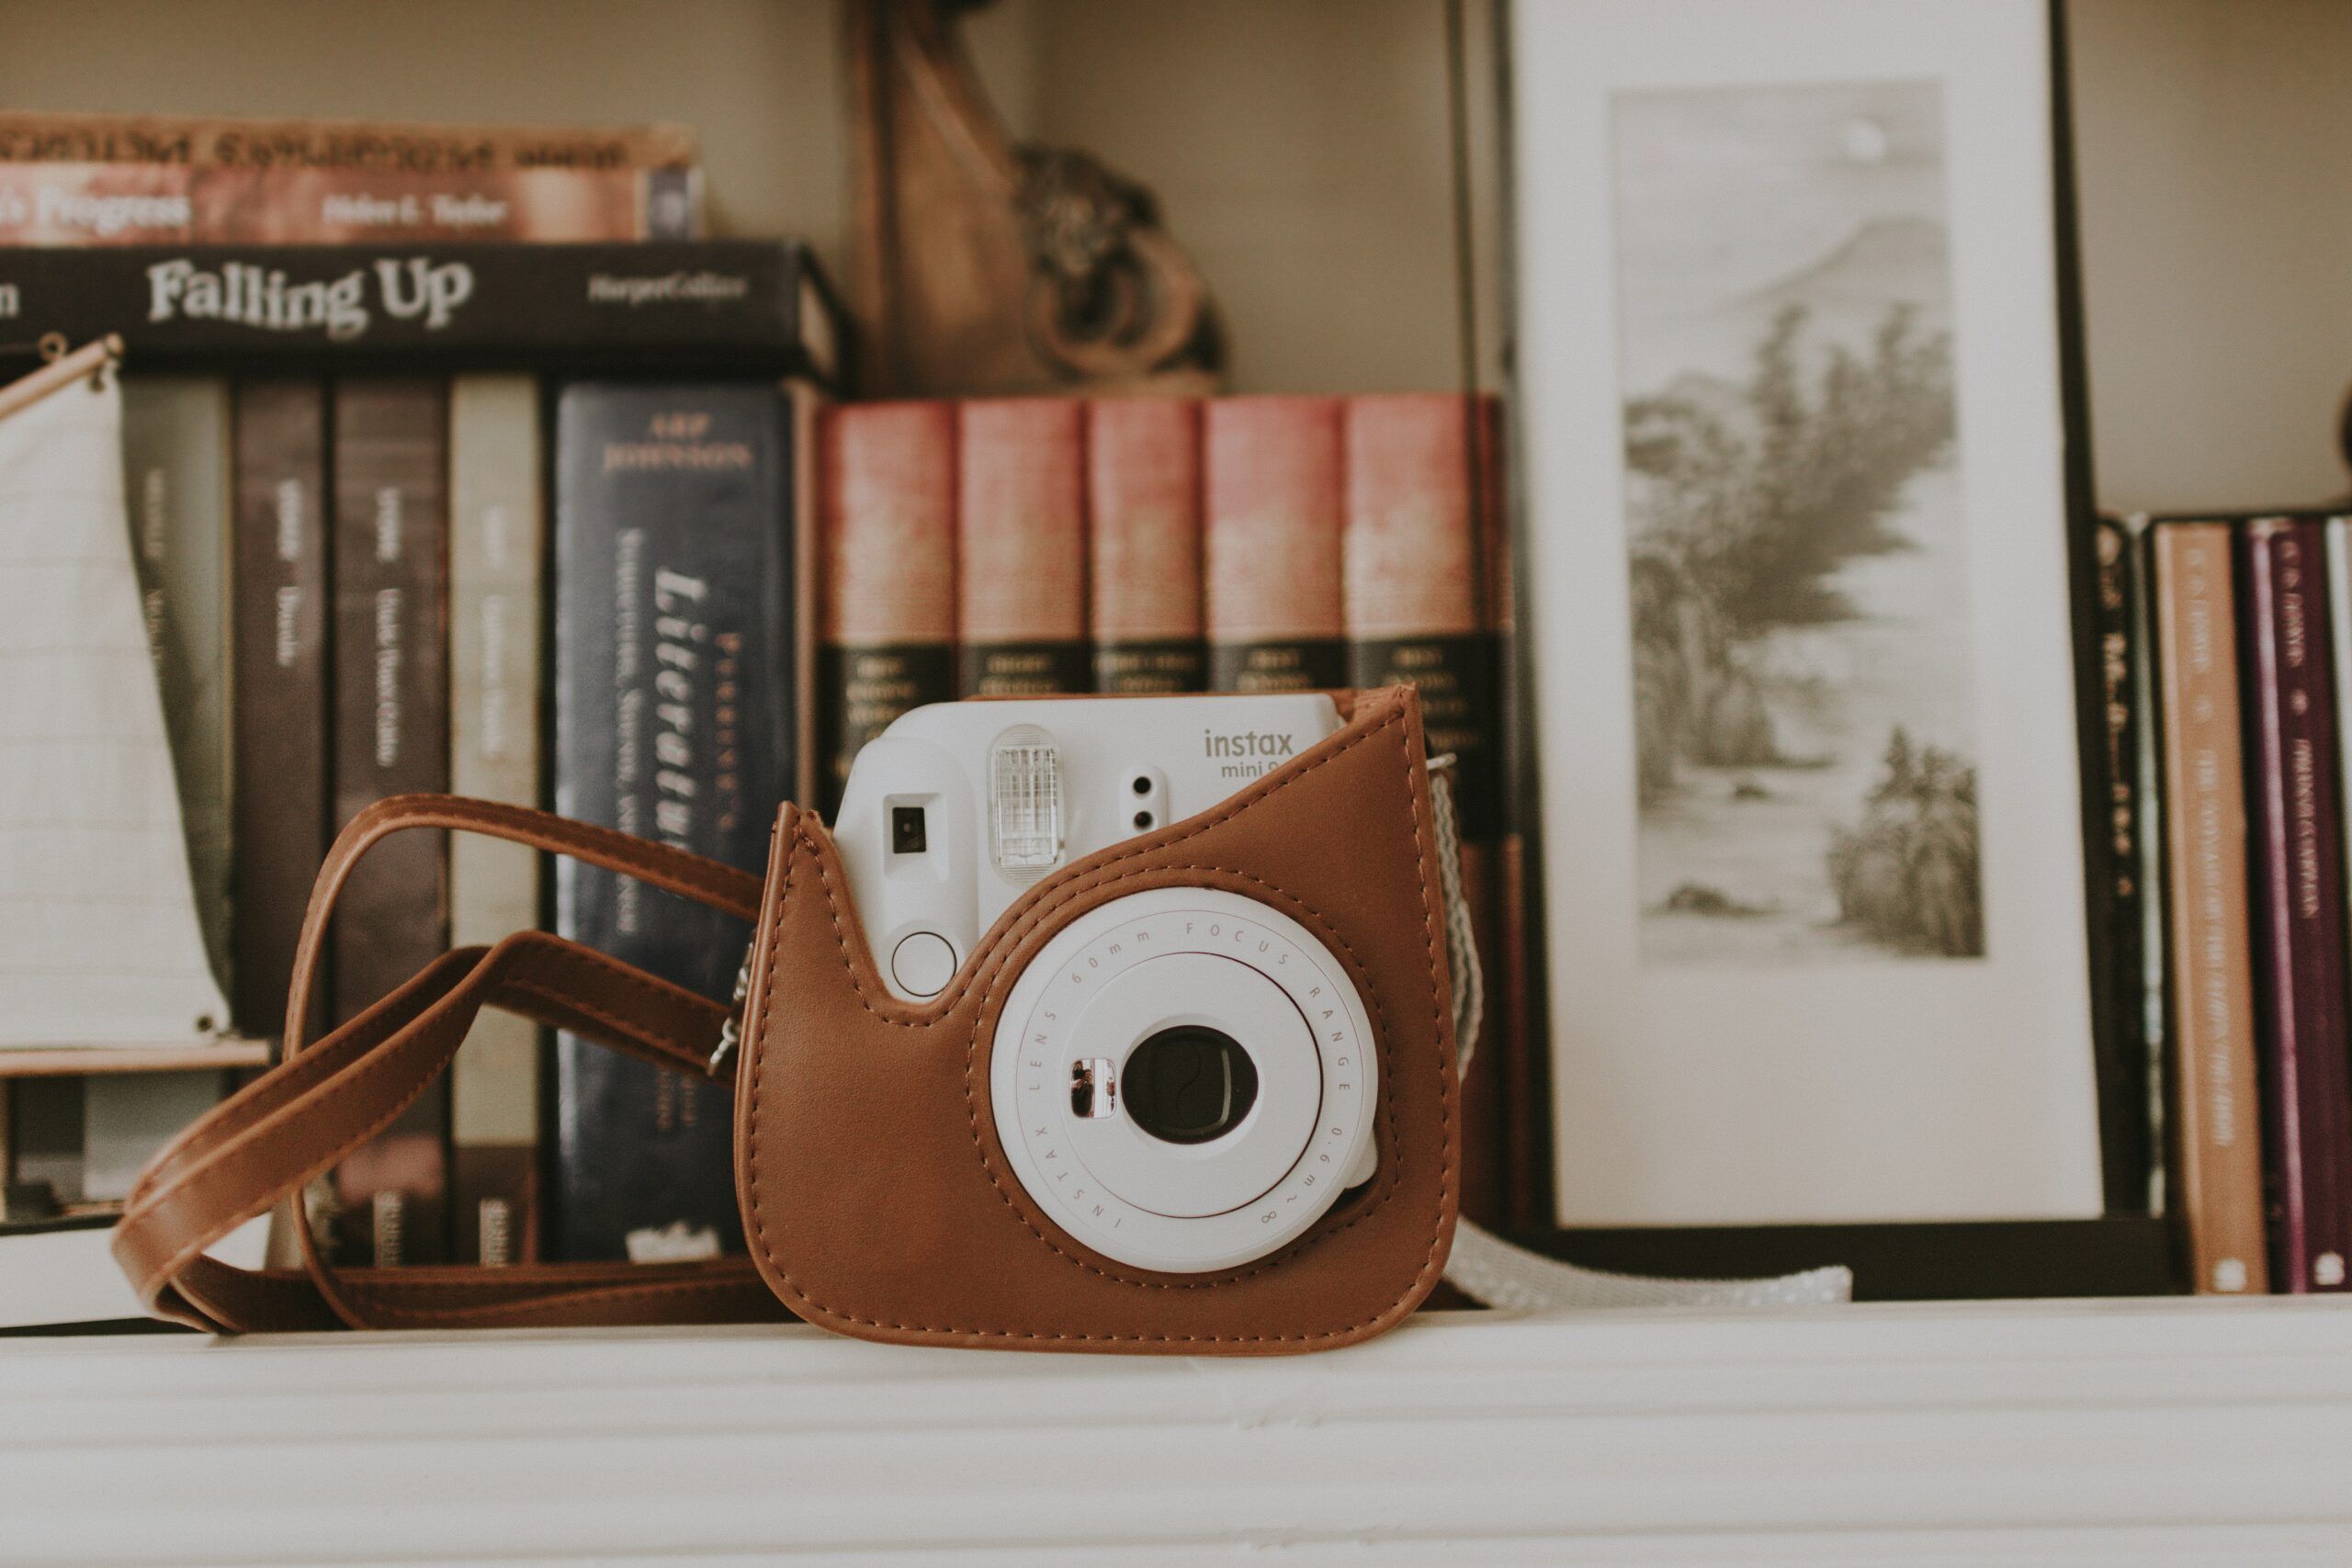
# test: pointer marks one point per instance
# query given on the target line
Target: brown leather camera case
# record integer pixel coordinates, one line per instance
(876, 1197)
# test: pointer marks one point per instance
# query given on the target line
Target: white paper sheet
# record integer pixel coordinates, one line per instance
(99, 938)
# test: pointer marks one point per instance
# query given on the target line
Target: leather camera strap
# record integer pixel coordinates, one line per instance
(329, 1097)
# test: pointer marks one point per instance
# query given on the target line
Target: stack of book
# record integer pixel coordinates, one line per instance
(2228, 656)
(512, 519)
(1038, 546)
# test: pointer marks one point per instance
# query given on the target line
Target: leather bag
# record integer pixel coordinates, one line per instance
(876, 1199)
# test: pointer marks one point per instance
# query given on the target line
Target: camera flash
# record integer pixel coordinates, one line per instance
(1025, 801)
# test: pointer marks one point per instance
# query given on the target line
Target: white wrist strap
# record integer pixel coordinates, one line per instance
(1511, 1278)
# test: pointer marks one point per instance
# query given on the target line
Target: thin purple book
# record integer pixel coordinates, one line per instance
(2299, 904)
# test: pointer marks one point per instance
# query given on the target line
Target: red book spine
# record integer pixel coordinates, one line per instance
(885, 598)
(1143, 493)
(1021, 547)
(2299, 906)
(1412, 591)
(1272, 471)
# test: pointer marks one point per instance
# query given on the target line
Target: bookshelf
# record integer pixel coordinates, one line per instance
(1293, 140)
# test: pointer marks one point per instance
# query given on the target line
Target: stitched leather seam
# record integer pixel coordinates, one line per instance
(625, 853)
(805, 841)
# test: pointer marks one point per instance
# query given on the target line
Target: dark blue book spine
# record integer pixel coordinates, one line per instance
(673, 682)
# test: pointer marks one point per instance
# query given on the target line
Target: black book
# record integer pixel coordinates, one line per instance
(673, 682)
(759, 306)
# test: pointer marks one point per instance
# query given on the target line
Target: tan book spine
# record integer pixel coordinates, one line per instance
(210, 141)
(1142, 502)
(1273, 498)
(1021, 547)
(886, 558)
(2218, 1159)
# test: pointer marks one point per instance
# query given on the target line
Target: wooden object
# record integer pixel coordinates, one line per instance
(85, 1059)
(983, 265)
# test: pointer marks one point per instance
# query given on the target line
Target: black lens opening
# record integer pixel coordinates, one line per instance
(1189, 1084)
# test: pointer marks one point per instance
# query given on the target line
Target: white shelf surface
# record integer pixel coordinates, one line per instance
(2140, 1432)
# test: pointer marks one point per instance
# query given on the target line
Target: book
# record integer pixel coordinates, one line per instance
(1272, 497)
(63, 1272)
(1411, 589)
(390, 723)
(496, 544)
(2299, 917)
(204, 141)
(1021, 547)
(886, 599)
(759, 306)
(1143, 510)
(2126, 1127)
(77, 206)
(673, 695)
(176, 484)
(280, 813)
(2215, 1140)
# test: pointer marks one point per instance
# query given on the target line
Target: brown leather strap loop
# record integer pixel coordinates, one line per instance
(327, 1099)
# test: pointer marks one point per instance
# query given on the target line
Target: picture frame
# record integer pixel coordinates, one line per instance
(1804, 511)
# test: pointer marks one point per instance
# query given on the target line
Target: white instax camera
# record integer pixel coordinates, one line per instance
(1183, 1077)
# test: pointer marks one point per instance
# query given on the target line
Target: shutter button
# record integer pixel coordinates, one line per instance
(923, 964)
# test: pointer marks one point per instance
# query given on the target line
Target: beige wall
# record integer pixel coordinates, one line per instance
(1299, 150)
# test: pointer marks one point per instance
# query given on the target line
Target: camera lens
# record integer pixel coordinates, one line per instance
(1189, 1084)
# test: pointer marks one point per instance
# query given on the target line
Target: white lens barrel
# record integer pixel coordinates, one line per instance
(1169, 958)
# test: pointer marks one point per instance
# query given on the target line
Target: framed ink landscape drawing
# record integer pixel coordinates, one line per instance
(1800, 607)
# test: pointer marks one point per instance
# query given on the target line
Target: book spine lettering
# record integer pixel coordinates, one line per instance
(2299, 883)
(175, 481)
(1021, 548)
(887, 601)
(391, 737)
(2216, 1145)
(33, 137)
(496, 544)
(278, 628)
(673, 689)
(2126, 1158)
(1143, 492)
(1273, 499)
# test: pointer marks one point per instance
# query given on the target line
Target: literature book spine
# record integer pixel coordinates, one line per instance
(74, 206)
(2217, 1153)
(496, 543)
(278, 632)
(1411, 603)
(2299, 915)
(2125, 1131)
(391, 737)
(175, 479)
(34, 136)
(1021, 547)
(757, 306)
(1143, 502)
(1271, 479)
(673, 689)
(886, 599)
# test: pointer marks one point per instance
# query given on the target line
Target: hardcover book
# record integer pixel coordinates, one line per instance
(674, 720)
(2127, 1113)
(1143, 504)
(1273, 499)
(175, 481)
(886, 599)
(496, 544)
(1411, 586)
(1021, 547)
(391, 737)
(278, 631)
(206, 142)
(2299, 915)
(2215, 1140)
(74, 206)
(757, 305)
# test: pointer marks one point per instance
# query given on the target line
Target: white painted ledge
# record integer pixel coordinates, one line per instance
(2147, 1432)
